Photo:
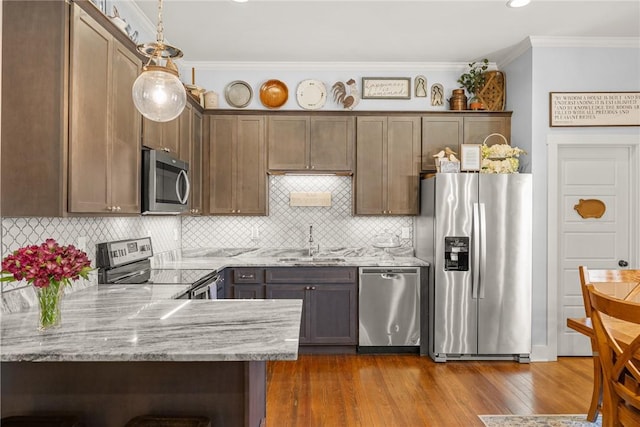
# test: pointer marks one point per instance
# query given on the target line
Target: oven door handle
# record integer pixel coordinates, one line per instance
(195, 293)
(183, 200)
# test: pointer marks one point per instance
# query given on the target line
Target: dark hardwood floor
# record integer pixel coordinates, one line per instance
(409, 390)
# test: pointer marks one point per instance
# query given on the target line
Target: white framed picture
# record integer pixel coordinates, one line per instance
(470, 157)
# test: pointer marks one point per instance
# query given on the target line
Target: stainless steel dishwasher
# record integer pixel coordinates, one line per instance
(389, 306)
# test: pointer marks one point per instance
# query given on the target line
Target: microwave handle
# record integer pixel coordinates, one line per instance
(184, 199)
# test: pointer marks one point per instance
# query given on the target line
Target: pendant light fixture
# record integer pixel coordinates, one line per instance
(158, 93)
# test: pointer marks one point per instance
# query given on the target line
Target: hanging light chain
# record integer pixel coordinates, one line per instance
(160, 28)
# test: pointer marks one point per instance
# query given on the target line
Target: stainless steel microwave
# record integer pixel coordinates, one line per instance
(165, 183)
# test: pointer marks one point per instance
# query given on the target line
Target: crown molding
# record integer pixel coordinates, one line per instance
(515, 52)
(304, 66)
(605, 42)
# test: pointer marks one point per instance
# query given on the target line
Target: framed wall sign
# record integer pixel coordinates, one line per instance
(470, 157)
(386, 87)
(594, 109)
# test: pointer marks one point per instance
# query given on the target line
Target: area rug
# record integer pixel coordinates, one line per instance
(538, 421)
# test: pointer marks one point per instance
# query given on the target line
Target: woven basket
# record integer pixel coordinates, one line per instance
(493, 94)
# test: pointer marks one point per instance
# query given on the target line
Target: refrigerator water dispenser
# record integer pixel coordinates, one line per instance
(456, 253)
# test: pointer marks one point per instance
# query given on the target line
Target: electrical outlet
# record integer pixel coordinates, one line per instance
(82, 243)
(405, 232)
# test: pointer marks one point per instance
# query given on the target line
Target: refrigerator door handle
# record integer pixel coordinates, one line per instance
(483, 247)
(475, 267)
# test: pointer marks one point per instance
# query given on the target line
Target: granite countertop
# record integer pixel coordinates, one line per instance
(109, 323)
(220, 258)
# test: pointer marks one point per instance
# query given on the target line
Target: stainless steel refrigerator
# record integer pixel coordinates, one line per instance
(475, 230)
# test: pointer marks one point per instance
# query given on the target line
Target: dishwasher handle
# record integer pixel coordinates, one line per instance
(388, 276)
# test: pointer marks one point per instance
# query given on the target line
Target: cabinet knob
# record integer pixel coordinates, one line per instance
(384, 212)
(166, 149)
(306, 167)
(233, 211)
(110, 208)
(238, 211)
(118, 208)
(313, 167)
(313, 288)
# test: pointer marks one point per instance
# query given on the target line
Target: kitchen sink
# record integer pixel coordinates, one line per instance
(311, 260)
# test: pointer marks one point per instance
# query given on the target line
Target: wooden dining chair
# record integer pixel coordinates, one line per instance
(621, 283)
(620, 364)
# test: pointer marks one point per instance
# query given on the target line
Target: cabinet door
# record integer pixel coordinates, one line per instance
(171, 136)
(125, 131)
(247, 291)
(152, 134)
(331, 146)
(371, 142)
(250, 190)
(222, 168)
(288, 141)
(439, 132)
(476, 129)
(161, 135)
(332, 314)
(294, 292)
(403, 165)
(89, 144)
(185, 134)
(195, 164)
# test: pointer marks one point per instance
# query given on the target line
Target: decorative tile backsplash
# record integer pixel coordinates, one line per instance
(285, 227)
(288, 227)
(19, 232)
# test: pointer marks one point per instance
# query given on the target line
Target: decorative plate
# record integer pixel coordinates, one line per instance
(311, 94)
(238, 94)
(274, 94)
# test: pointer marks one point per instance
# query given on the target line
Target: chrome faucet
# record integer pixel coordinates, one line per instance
(310, 240)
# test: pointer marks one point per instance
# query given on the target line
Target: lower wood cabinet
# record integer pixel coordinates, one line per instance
(244, 283)
(329, 294)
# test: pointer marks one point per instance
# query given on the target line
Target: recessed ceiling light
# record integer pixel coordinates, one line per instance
(518, 3)
(240, 1)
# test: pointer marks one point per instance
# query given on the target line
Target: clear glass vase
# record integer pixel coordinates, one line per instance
(50, 301)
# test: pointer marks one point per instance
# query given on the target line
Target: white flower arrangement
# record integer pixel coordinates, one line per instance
(500, 158)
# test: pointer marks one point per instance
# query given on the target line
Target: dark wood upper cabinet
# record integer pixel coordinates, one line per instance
(236, 166)
(310, 144)
(439, 132)
(477, 128)
(195, 162)
(79, 150)
(447, 130)
(104, 135)
(163, 136)
(387, 165)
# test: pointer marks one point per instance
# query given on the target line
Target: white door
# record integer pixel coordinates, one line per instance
(606, 174)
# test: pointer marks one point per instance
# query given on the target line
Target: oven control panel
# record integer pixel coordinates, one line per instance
(113, 254)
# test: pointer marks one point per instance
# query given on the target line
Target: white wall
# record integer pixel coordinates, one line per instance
(568, 66)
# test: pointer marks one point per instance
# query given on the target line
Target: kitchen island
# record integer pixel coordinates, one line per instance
(123, 351)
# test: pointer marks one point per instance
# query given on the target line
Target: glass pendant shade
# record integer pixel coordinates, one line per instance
(159, 94)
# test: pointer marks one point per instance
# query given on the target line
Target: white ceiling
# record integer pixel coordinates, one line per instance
(379, 31)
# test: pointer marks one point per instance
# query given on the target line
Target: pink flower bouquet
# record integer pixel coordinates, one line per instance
(49, 267)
